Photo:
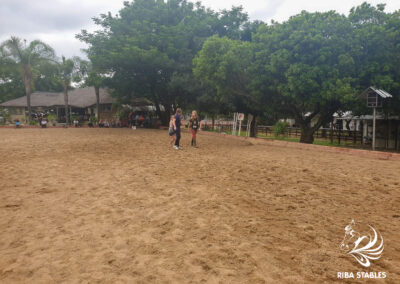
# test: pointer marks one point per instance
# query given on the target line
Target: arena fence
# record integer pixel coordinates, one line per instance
(333, 136)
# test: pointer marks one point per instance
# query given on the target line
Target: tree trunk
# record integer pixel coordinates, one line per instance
(28, 100)
(166, 114)
(164, 117)
(212, 122)
(27, 83)
(97, 91)
(67, 120)
(307, 134)
(253, 127)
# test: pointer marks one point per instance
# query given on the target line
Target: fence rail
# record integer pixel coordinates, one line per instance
(339, 136)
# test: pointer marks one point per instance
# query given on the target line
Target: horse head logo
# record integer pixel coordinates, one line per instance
(363, 245)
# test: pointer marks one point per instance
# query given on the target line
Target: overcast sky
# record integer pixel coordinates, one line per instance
(57, 21)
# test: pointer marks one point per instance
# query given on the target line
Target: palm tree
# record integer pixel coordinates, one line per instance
(92, 77)
(66, 69)
(29, 58)
(69, 70)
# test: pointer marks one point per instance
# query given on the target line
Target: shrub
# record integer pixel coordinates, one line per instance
(280, 128)
(52, 117)
(93, 119)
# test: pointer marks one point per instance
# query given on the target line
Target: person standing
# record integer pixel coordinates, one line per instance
(194, 126)
(177, 128)
(130, 119)
(171, 130)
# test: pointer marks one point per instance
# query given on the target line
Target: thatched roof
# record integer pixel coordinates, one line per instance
(82, 98)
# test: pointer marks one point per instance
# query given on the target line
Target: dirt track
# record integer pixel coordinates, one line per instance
(109, 205)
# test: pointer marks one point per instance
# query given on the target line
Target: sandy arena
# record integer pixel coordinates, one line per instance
(121, 206)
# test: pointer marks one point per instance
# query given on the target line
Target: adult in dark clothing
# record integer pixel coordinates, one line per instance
(177, 128)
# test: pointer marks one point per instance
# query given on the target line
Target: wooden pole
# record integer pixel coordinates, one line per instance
(396, 141)
(240, 126)
(373, 129)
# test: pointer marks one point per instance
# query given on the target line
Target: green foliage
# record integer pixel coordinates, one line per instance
(179, 54)
(147, 50)
(52, 117)
(223, 64)
(122, 113)
(307, 68)
(28, 59)
(93, 119)
(4, 116)
(280, 128)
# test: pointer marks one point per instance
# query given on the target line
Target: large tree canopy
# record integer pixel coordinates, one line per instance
(376, 44)
(225, 65)
(308, 61)
(149, 47)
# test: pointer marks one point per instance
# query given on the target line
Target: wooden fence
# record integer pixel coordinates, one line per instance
(339, 136)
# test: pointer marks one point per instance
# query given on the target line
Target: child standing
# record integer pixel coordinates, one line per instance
(194, 126)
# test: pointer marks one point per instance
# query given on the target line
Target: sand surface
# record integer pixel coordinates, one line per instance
(121, 206)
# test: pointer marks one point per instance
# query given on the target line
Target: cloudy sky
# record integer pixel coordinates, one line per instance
(57, 21)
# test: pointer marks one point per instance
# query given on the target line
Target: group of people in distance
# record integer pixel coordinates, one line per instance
(141, 120)
(41, 118)
(175, 128)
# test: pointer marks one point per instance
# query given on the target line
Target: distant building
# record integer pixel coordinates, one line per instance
(82, 102)
(387, 129)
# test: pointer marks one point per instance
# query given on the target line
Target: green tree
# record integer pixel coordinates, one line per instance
(149, 48)
(68, 72)
(377, 55)
(92, 76)
(11, 85)
(308, 67)
(226, 65)
(29, 58)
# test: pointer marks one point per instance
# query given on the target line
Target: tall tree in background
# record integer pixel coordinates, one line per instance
(93, 77)
(308, 63)
(377, 56)
(11, 85)
(29, 59)
(148, 48)
(68, 71)
(97, 81)
(224, 64)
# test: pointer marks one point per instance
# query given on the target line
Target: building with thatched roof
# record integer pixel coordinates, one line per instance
(81, 101)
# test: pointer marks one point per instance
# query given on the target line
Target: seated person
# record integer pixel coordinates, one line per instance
(43, 123)
(101, 123)
(17, 123)
(141, 120)
(76, 123)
